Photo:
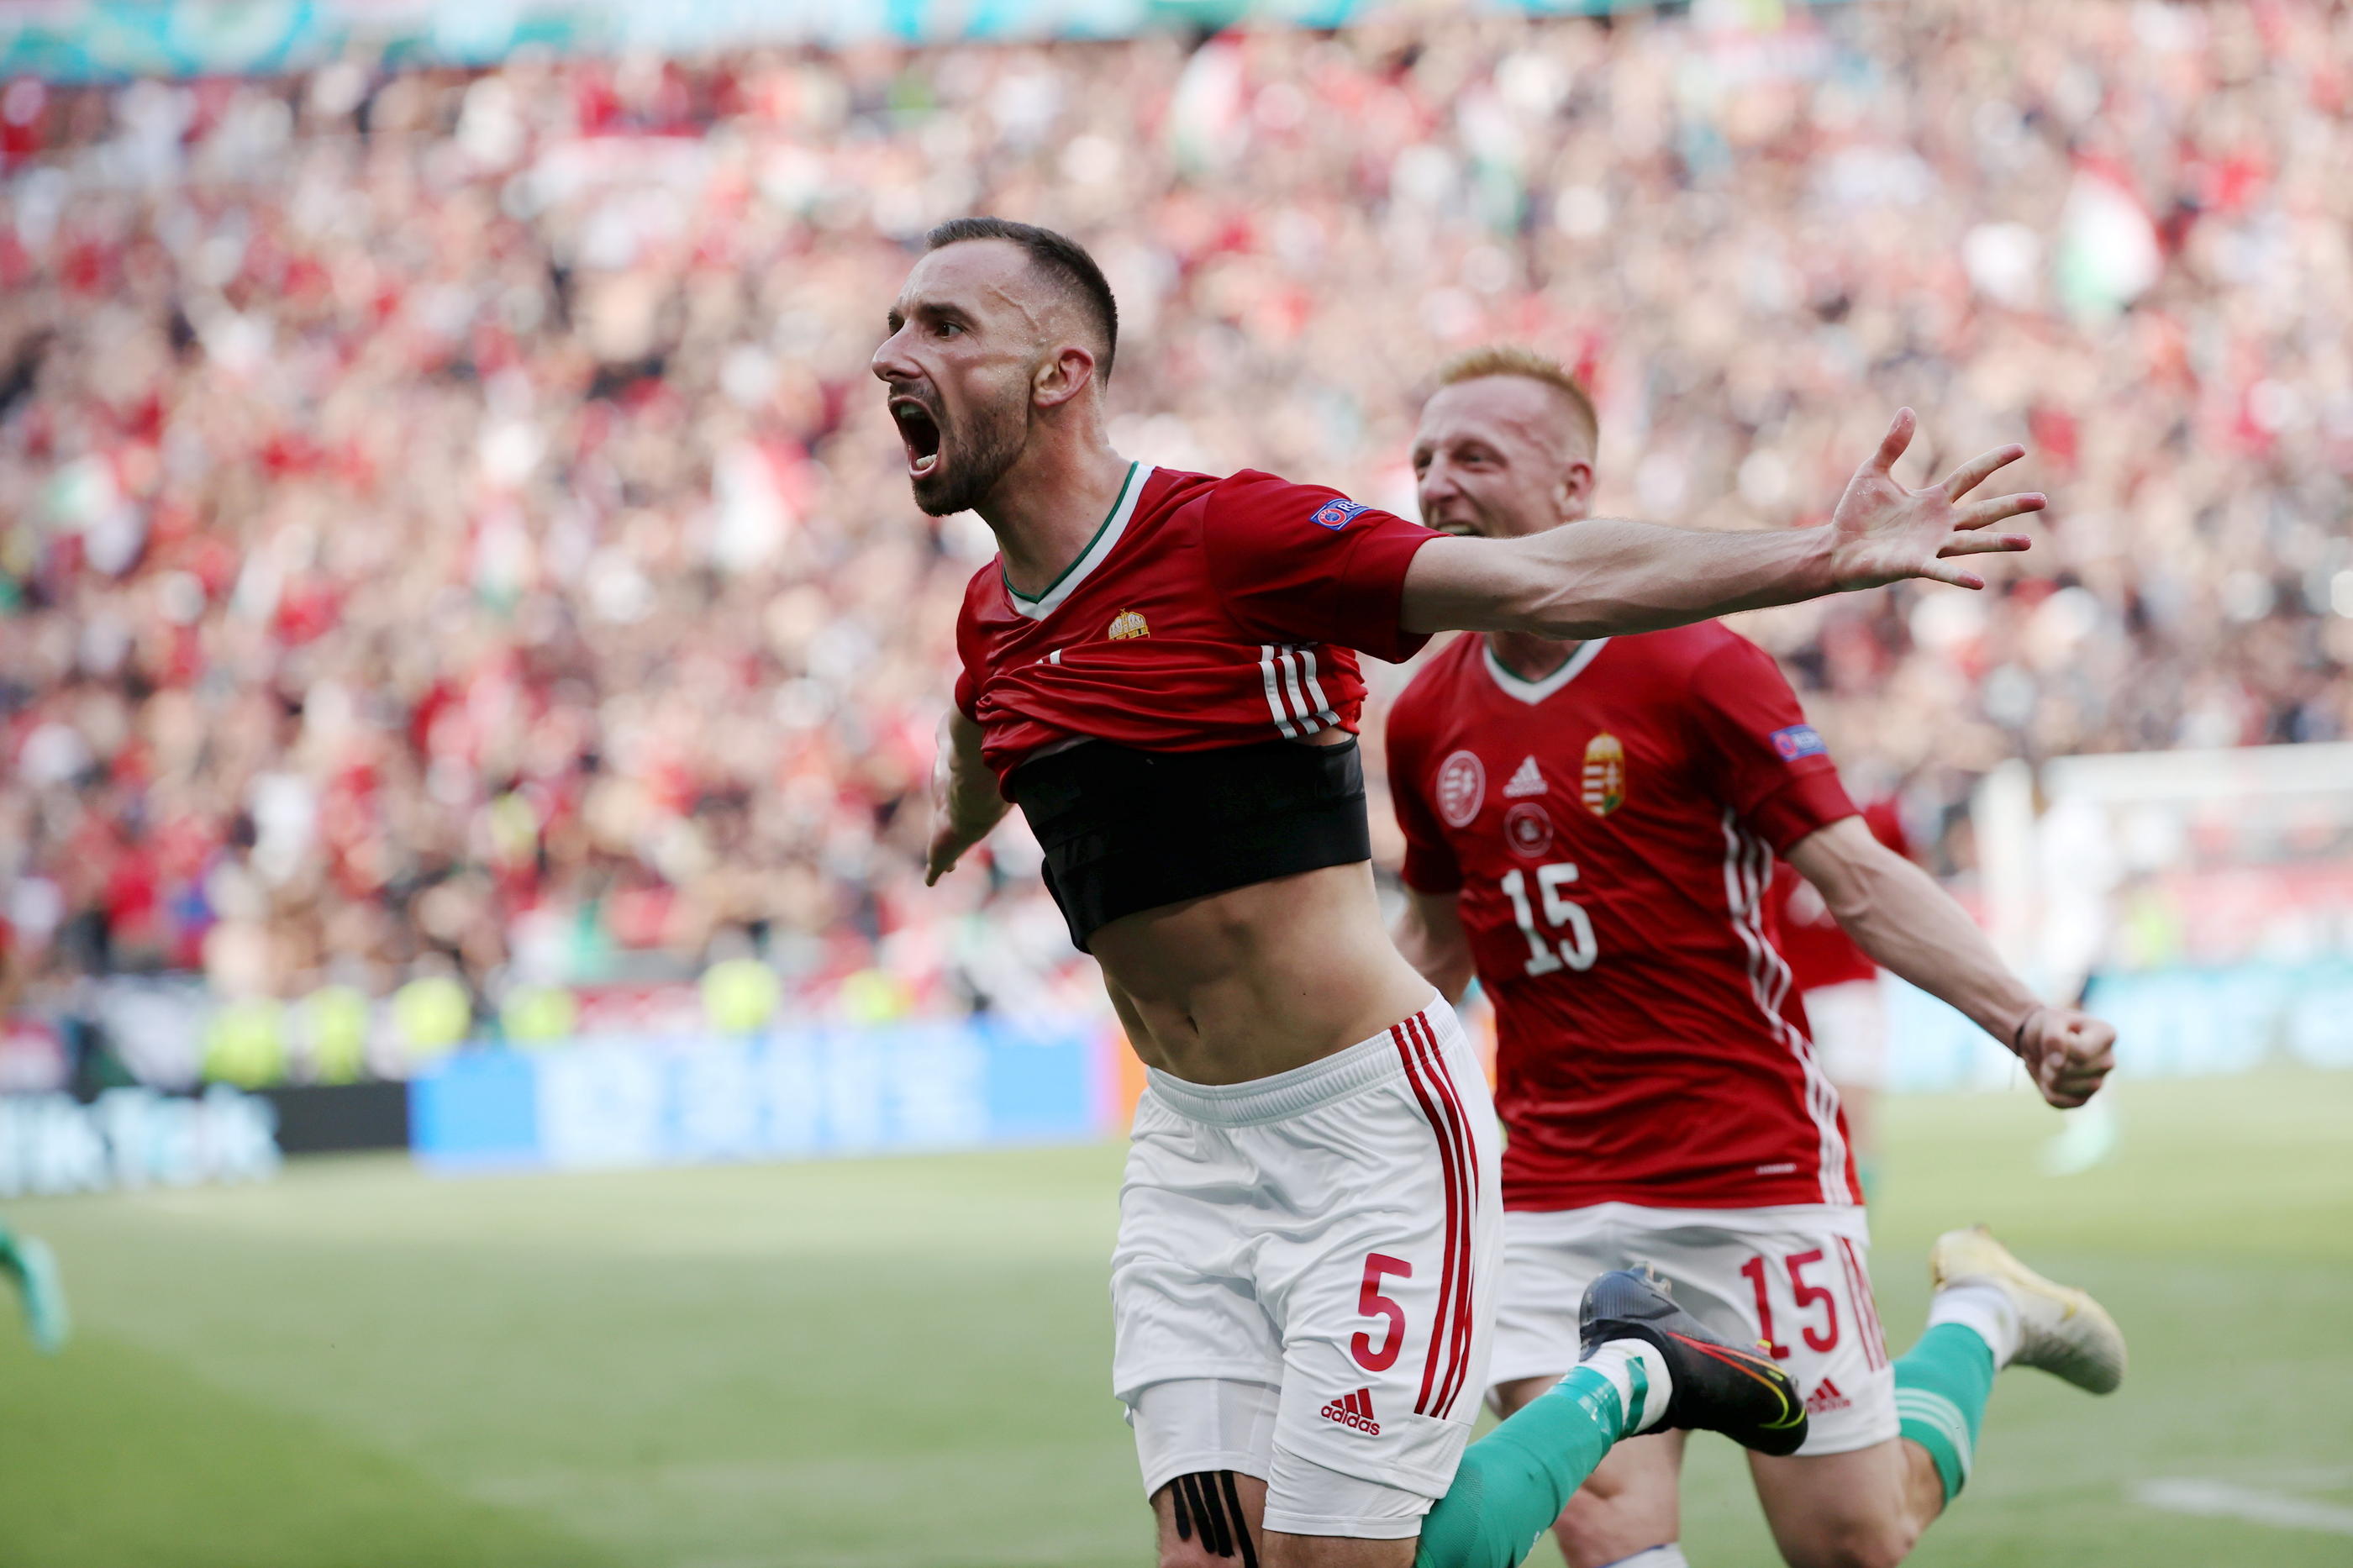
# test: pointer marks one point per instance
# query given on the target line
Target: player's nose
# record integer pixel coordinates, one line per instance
(890, 363)
(1435, 484)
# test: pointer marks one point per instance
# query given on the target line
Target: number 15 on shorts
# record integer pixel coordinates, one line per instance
(1813, 1278)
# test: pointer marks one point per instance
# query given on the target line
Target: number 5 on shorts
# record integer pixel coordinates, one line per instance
(1371, 1303)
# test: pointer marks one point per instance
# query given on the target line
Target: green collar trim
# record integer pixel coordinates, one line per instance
(1114, 524)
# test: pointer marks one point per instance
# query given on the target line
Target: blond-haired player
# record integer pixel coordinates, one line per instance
(1591, 828)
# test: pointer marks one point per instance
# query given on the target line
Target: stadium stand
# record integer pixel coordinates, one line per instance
(448, 531)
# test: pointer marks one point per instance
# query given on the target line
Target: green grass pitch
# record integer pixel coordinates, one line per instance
(904, 1362)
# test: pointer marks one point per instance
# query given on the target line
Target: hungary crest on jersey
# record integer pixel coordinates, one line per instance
(1604, 775)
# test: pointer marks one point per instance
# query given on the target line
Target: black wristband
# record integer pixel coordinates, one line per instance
(2018, 1036)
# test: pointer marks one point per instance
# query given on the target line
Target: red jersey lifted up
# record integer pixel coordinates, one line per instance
(1611, 830)
(1206, 613)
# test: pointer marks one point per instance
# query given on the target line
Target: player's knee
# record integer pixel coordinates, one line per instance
(1606, 1520)
(1850, 1541)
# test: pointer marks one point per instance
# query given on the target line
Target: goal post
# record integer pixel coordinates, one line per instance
(2202, 900)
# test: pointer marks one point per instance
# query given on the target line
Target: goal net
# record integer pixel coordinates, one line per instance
(2202, 900)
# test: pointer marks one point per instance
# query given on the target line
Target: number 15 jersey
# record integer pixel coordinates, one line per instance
(1610, 832)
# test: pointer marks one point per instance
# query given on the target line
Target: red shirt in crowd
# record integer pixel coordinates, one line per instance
(1205, 613)
(1610, 832)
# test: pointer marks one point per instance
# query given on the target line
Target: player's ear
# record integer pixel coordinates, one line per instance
(1574, 494)
(1062, 375)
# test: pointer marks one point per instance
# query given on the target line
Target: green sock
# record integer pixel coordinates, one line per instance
(1941, 1386)
(1513, 1482)
(28, 1261)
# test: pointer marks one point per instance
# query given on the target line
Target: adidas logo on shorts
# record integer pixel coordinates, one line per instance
(1354, 1411)
(1826, 1396)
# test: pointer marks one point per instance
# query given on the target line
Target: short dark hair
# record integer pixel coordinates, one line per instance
(1059, 256)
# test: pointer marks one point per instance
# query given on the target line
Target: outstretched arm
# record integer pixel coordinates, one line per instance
(965, 800)
(1897, 914)
(1607, 575)
(1430, 934)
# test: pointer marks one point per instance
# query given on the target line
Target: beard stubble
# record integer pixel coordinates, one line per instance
(997, 439)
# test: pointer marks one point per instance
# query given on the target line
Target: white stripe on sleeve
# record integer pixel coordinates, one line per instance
(1274, 700)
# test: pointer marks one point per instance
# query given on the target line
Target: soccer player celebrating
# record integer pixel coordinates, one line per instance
(1160, 669)
(1591, 828)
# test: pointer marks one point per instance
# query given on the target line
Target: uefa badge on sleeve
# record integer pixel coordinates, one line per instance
(1336, 512)
(1798, 741)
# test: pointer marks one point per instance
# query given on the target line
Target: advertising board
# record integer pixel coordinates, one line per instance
(783, 1095)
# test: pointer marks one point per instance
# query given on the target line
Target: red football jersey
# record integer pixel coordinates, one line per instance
(1610, 831)
(1205, 613)
(1818, 948)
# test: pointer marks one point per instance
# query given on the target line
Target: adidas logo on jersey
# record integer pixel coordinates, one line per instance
(1826, 1396)
(1354, 1411)
(1527, 781)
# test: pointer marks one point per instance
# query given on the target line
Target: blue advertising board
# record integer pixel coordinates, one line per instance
(786, 1095)
(2171, 1022)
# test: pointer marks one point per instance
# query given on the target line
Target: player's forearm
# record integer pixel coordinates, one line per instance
(1608, 576)
(964, 791)
(1439, 951)
(972, 807)
(1910, 926)
(968, 823)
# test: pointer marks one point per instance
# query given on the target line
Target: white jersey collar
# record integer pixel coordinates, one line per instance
(1105, 540)
(1534, 691)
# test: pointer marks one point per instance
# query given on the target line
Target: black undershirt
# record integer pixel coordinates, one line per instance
(1125, 830)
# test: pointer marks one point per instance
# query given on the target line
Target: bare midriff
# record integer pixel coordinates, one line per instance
(1260, 979)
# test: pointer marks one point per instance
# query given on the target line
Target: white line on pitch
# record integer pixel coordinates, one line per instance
(2220, 1500)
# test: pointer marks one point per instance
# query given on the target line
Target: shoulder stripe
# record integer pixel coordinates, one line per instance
(1314, 691)
(1294, 698)
(1273, 697)
(1747, 867)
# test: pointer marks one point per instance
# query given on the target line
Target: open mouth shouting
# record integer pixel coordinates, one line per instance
(1456, 519)
(919, 430)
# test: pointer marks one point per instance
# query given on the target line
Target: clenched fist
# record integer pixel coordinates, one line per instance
(2070, 1054)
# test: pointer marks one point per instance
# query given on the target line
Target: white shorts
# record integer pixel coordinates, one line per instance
(1850, 1029)
(1326, 1240)
(1817, 1314)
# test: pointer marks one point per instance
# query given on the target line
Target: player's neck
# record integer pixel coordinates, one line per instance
(1049, 506)
(1529, 657)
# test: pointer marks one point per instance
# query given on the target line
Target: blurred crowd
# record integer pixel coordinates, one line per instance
(447, 527)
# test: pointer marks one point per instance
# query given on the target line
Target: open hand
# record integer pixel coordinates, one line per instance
(1883, 532)
(2070, 1054)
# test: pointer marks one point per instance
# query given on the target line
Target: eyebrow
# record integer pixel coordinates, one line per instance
(938, 309)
